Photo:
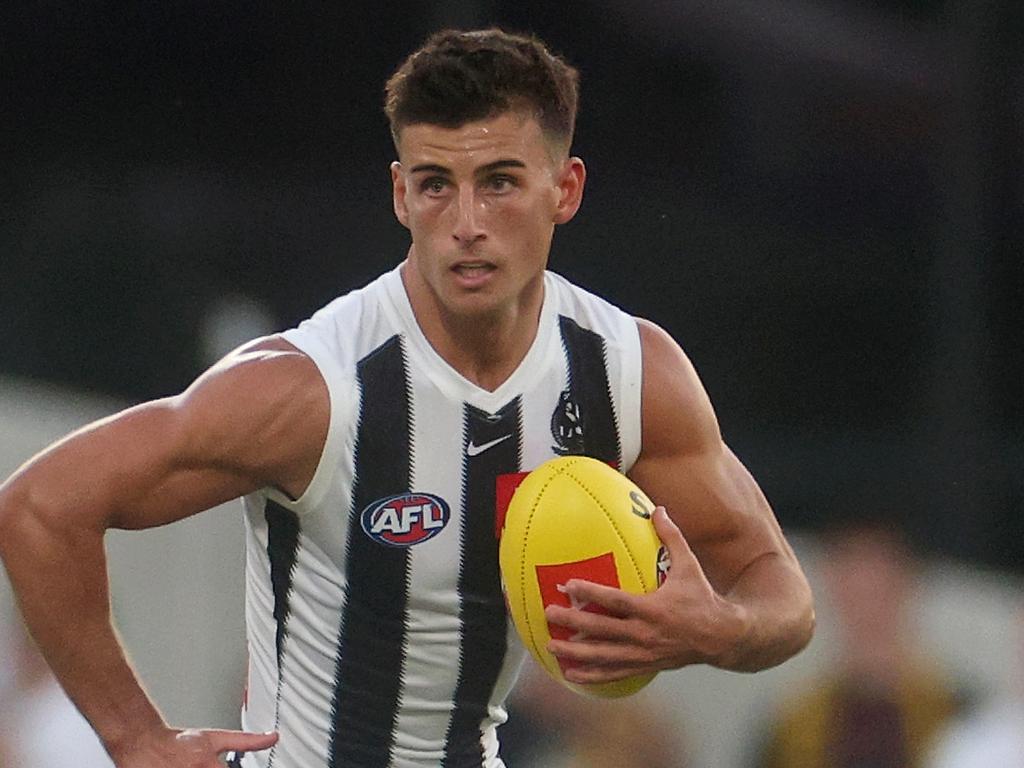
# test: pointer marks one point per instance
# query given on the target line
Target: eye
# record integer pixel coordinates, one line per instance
(433, 185)
(501, 183)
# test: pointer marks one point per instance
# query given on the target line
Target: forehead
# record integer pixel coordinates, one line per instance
(508, 136)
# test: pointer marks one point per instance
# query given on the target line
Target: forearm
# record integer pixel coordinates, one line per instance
(774, 615)
(59, 576)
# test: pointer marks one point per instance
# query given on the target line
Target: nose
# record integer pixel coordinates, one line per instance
(467, 229)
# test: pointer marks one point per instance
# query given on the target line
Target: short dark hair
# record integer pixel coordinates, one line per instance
(458, 77)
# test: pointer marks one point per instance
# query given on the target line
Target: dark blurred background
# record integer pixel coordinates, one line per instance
(821, 199)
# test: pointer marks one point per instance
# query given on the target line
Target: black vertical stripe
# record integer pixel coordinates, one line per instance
(368, 671)
(590, 390)
(282, 549)
(481, 606)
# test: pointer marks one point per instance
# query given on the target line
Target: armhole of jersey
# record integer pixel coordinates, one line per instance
(329, 454)
(631, 418)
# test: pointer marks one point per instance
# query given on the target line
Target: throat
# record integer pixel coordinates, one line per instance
(485, 356)
(485, 347)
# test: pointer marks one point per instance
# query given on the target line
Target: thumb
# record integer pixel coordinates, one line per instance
(239, 741)
(682, 561)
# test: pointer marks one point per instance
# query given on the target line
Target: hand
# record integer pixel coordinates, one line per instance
(683, 622)
(191, 748)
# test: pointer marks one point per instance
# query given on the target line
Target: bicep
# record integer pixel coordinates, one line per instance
(685, 466)
(132, 470)
(257, 419)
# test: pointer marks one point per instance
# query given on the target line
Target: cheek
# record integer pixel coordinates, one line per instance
(538, 227)
(424, 216)
(523, 219)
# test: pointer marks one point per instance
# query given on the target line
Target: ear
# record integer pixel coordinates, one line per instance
(398, 190)
(570, 187)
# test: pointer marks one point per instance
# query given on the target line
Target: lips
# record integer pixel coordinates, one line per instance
(473, 273)
(472, 267)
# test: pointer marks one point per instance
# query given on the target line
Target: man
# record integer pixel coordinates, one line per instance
(368, 443)
(881, 701)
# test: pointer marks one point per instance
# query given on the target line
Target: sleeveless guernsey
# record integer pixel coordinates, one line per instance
(377, 631)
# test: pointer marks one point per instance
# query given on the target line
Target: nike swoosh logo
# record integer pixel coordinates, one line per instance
(476, 450)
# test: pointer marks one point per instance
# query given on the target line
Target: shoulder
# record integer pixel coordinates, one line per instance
(270, 369)
(588, 310)
(351, 319)
(676, 409)
(266, 398)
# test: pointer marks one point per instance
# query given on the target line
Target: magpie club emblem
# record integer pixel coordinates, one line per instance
(567, 426)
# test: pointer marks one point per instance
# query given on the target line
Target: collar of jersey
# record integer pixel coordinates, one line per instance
(452, 383)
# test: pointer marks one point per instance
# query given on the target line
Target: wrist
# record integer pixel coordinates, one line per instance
(123, 742)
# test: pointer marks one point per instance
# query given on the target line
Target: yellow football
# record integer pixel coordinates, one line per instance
(575, 517)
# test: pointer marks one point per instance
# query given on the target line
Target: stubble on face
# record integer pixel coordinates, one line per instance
(479, 202)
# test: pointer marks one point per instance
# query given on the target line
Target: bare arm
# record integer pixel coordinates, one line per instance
(736, 596)
(257, 419)
(721, 512)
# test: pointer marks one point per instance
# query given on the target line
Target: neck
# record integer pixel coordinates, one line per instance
(485, 348)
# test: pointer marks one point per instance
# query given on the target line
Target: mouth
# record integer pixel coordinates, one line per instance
(473, 272)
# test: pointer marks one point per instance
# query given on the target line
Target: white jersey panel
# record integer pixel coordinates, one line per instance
(376, 627)
(431, 667)
(621, 340)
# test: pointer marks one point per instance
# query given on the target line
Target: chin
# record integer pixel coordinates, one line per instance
(475, 306)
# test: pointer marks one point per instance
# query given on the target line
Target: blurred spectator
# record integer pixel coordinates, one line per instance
(992, 737)
(882, 703)
(553, 727)
(39, 726)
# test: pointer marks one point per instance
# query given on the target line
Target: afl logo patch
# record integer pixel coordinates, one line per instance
(405, 519)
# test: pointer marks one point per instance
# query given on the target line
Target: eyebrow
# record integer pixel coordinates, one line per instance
(429, 168)
(499, 164)
(483, 170)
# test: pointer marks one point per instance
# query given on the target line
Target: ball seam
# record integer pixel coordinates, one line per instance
(560, 470)
(615, 527)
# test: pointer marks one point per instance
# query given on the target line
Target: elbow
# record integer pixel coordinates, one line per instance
(18, 513)
(26, 521)
(12, 517)
(806, 621)
(808, 625)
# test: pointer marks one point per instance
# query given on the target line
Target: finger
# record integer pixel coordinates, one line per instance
(585, 595)
(683, 563)
(589, 624)
(240, 741)
(574, 653)
(593, 675)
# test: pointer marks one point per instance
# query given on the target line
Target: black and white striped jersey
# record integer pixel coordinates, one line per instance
(377, 629)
